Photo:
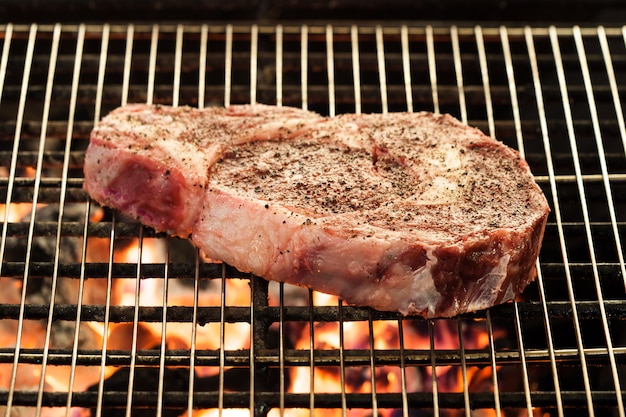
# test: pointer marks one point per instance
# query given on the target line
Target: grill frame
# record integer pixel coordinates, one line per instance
(319, 44)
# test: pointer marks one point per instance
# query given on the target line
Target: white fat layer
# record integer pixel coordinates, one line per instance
(423, 295)
(446, 157)
(443, 188)
(491, 285)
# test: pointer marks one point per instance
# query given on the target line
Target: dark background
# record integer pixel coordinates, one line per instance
(480, 11)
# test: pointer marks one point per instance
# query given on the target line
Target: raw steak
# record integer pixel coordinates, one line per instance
(408, 212)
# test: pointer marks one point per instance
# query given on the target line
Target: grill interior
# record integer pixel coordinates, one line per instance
(193, 336)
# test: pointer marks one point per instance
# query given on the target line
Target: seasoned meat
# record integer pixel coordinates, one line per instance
(408, 212)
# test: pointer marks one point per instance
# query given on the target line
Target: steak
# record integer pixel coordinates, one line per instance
(409, 212)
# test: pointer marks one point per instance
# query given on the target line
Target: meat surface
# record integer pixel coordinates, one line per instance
(408, 212)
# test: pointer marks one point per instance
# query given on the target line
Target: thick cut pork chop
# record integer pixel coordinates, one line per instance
(409, 212)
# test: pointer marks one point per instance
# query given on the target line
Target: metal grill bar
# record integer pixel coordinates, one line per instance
(104, 48)
(254, 49)
(433, 368)
(466, 400)
(46, 114)
(525, 376)
(406, 68)
(253, 406)
(444, 357)
(372, 365)
(79, 304)
(494, 369)
(152, 63)
(5, 56)
(330, 66)
(550, 342)
(194, 337)
(202, 65)
(133, 345)
(304, 65)
(380, 54)
(510, 73)
(311, 357)
(177, 64)
(342, 363)
(545, 91)
(459, 73)
(356, 70)
(325, 401)
(228, 65)
(68, 144)
(130, 32)
(279, 65)
(281, 347)
(107, 307)
(162, 346)
(482, 58)
(432, 66)
(588, 310)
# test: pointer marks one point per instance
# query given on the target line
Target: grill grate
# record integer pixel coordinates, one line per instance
(173, 321)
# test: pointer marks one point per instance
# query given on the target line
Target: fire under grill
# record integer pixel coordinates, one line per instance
(100, 316)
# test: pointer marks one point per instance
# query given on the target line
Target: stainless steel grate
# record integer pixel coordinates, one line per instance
(83, 324)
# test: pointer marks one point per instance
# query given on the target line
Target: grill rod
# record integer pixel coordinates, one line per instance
(551, 178)
(20, 117)
(109, 275)
(65, 170)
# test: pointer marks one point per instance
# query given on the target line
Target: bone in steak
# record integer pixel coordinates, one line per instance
(408, 212)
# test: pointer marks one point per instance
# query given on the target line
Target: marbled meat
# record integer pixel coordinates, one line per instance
(409, 212)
